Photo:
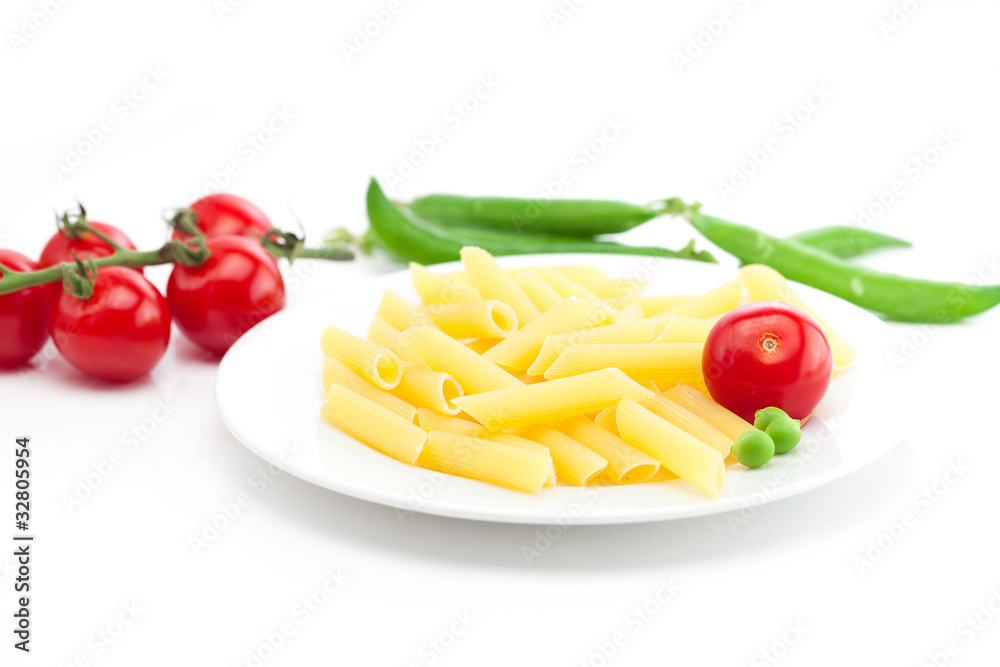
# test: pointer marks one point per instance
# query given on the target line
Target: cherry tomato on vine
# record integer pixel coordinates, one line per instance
(229, 215)
(767, 354)
(237, 287)
(62, 245)
(119, 333)
(24, 315)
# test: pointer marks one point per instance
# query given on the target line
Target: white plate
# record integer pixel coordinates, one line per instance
(269, 393)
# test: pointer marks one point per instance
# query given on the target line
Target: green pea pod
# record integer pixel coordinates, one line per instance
(896, 297)
(410, 238)
(846, 242)
(561, 217)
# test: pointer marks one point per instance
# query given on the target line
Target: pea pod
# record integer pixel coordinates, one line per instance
(410, 238)
(896, 297)
(583, 218)
(846, 241)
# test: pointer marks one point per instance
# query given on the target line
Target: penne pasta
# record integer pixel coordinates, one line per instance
(640, 331)
(606, 419)
(547, 401)
(583, 274)
(685, 329)
(626, 464)
(565, 286)
(431, 421)
(425, 388)
(519, 350)
(676, 449)
(475, 458)
(766, 284)
(624, 289)
(474, 319)
(382, 333)
(337, 372)
(482, 344)
(574, 463)
(372, 362)
(438, 351)
(630, 313)
(654, 305)
(713, 413)
(664, 363)
(720, 300)
(681, 417)
(433, 288)
(492, 282)
(395, 310)
(373, 424)
(540, 292)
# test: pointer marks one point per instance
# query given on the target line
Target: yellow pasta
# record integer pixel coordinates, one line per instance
(640, 331)
(519, 350)
(720, 300)
(337, 372)
(481, 345)
(395, 310)
(432, 421)
(492, 282)
(583, 273)
(713, 413)
(663, 363)
(686, 330)
(428, 389)
(438, 351)
(654, 305)
(547, 401)
(575, 464)
(373, 424)
(565, 286)
(475, 458)
(631, 313)
(473, 319)
(538, 290)
(684, 419)
(606, 419)
(433, 288)
(626, 464)
(766, 284)
(625, 289)
(382, 333)
(676, 449)
(372, 362)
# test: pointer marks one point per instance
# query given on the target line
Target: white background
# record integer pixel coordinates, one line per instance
(686, 127)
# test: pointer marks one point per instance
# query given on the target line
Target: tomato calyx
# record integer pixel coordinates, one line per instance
(79, 277)
(74, 226)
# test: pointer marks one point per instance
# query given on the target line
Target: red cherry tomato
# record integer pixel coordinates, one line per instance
(765, 354)
(61, 246)
(119, 333)
(24, 315)
(229, 215)
(238, 286)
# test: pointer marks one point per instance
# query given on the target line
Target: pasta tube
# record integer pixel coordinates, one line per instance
(575, 464)
(475, 458)
(630, 313)
(382, 333)
(583, 273)
(481, 345)
(336, 372)
(713, 413)
(547, 401)
(433, 288)
(640, 331)
(540, 292)
(373, 425)
(438, 351)
(473, 319)
(625, 289)
(519, 350)
(372, 362)
(428, 389)
(678, 450)
(492, 282)
(686, 330)
(565, 286)
(664, 363)
(395, 310)
(654, 305)
(720, 300)
(606, 419)
(626, 464)
(681, 417)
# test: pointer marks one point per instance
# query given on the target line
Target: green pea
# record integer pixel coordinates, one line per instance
(753, 448)
(766, 416)
(785, 432)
